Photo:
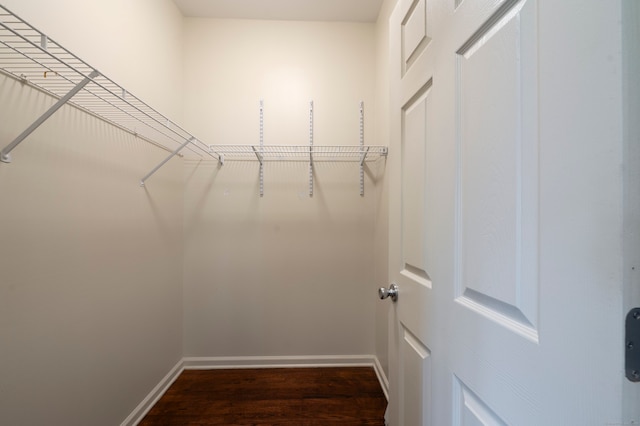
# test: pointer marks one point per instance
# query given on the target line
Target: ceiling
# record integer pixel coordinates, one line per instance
(297, 10)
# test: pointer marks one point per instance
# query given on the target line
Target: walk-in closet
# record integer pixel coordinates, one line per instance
(444, 192)
(258, 243)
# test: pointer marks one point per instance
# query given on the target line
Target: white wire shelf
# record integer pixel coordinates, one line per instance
(305, 153)
(30, 56)
(310, 154)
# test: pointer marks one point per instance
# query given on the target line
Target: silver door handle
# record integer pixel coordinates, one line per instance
(391, 291)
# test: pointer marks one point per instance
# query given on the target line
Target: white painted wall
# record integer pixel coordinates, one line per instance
(283, 275)
(91, 264)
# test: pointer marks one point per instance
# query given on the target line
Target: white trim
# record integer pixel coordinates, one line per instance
(382, 378)
(212, 363)
(143, 408)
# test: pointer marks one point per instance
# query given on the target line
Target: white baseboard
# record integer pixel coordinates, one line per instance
(143, 408)
(212, 363)
(382, 378)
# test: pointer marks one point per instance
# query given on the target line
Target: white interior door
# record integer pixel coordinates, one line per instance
(506, 213)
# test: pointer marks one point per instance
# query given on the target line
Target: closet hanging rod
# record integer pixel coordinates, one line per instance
(31, 57)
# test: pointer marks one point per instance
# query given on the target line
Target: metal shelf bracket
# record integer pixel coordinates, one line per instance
(258, 154)
(5, 156)
(163, 162)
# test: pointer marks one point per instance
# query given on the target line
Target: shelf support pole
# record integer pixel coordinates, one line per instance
(261, 148)
(363, 154)
(311, 149)
(5, 156)
(163, 162)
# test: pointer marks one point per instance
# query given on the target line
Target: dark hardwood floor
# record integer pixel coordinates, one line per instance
(274, 397)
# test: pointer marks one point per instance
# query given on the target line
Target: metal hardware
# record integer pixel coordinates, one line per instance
(363, 154)
(392, 292)
(632, 345)
(4, 154)
(163, 162)
(363, 158)
(258, 154)
(261, 148)
(311, 149)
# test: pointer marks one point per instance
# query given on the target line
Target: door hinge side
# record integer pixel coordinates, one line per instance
(632, 345)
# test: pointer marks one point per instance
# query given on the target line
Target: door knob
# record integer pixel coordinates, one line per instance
(391, 291)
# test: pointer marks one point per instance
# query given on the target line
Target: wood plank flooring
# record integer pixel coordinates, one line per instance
(273, 397)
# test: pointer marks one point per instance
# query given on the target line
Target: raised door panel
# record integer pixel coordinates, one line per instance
(470, 410)
(415, 34)
(416, 380)
(414, 187)
(497, 222)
